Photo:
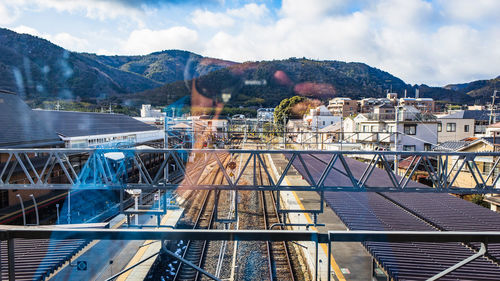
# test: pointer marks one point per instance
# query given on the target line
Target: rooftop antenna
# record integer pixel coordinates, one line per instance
(405, 93)
(493, 117)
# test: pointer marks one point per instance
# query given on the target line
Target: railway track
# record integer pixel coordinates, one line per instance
(195, 251)
(278, 255)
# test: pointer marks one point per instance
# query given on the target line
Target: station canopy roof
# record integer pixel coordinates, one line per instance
(21, 127)
(75, 124)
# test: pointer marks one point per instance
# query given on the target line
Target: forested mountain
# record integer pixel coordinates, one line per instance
(166, 66)
(480, 91)
(38, 69)
(267, 83)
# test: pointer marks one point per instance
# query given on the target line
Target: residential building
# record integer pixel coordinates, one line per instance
(416, 131)
(484, 144)
(384, 112)
(451, 128)
(320, 117)
(366, 105)
(147, 111)
(493, 130)
(422, 104)
(265, 114)
(481, 119)
(343, 107)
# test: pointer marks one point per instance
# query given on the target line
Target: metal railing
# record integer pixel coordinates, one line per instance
(12, 232)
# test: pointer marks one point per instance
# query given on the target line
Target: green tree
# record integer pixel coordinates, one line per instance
(283, 112)
(479, 200)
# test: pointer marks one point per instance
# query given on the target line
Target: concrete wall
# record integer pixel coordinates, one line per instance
(459, 133)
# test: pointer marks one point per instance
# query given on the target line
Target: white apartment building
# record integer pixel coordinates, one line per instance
(147, 111)
(415, 132)
(320, 117)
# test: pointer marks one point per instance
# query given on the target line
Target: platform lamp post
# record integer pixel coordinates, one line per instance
(36, 209)
(57, 213)
(69, 207)
(22, 208)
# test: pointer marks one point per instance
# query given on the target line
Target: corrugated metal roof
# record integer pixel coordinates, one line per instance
(480, 115)
(19, 127)
(451, 145)
(417, 212)
(75, 124)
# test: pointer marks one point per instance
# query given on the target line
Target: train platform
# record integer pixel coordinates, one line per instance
(148, 248)
(105, 258)
(350, 261)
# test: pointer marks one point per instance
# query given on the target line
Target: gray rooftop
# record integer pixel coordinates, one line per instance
(19, 127)
(75, 124)
(451, 145)
(480, 115)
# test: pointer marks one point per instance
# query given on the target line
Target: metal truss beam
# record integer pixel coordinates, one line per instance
(113, 169)
(48, 232)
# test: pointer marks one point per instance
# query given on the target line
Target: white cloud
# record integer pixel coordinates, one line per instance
(411, 39)
(310, 9)
(70, 42)
(26, 30)
(93, 9)
(204, 18)
(63, 39)
(8, 13)
(250, 11)
(145, 41)
(468, 10)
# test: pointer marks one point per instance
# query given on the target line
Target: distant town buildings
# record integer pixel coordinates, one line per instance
(343, 107)
(422, 104)
(147, 111)
(265, 114)
(320, 117)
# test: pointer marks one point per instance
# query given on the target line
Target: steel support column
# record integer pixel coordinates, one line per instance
(11, 259)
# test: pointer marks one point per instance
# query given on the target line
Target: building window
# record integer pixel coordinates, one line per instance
(427, 146)
(487, 166)
(440, 127)
(451, 127)
(466, 128)
(410, 129)
(323, 123)
(409, 148)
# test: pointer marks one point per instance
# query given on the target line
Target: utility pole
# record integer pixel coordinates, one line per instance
(493, 118)
(396, 141)
(284, 131)
(341, 139)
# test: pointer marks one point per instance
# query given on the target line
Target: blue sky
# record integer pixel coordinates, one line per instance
(433, 42)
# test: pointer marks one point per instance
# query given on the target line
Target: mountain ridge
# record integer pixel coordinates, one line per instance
(40, 70)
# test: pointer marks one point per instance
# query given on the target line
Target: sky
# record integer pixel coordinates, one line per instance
(433, 42)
